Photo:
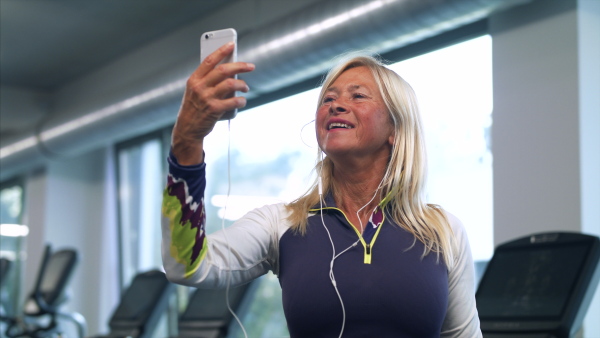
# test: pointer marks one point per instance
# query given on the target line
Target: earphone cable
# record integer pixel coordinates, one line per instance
(228, 275)
(335, 256)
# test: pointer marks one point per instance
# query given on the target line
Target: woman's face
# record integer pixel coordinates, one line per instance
(352, 119)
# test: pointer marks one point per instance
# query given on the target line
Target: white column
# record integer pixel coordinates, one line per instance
(81, 214)
(588, 20)
(546, 130)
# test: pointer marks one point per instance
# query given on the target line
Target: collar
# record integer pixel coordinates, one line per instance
(329, 202)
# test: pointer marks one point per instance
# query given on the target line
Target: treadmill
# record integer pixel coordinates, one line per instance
(539, 286)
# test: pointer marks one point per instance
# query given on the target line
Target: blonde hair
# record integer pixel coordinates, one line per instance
(404, 180)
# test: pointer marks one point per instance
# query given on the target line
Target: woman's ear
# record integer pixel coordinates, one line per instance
(392, 138)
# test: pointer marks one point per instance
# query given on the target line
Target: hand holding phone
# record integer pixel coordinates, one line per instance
(210, 42)
(208, 96)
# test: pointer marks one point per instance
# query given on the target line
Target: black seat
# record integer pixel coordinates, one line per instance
(5, 265)
(54, 276)
(539, 286)
(48, 296)
(207, 315)
(5, 268)
(141, 306)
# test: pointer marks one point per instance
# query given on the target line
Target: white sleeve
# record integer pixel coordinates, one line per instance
(242, 252)
(461, 317)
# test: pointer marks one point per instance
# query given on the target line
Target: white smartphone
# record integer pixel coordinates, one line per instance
(211, 41)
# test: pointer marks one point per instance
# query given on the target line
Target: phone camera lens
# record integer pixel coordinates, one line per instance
(206, 36)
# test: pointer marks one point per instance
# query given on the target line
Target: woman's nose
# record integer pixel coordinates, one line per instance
(337, 108)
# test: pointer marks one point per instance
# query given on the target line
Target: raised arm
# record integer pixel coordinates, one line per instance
(184, 243)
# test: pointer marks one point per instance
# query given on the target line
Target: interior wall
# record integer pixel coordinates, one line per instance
(34, 218)
(72, 205)
(588, 21)
(543, 164)
(535, 120)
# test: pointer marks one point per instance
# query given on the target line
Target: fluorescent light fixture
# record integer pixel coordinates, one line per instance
(14, 230)
(93, 117)
(18, 146)
(113, 109)
(315, 28)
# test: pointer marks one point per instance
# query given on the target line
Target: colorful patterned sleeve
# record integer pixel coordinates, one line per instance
(232, 256)
(183, 220)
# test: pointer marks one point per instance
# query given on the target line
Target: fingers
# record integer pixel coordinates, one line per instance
(210, 74)
(228, 86)
(213, 72)
(219, 107)
(214, 100)
(212, 60)
(226, 70)
(209, 94)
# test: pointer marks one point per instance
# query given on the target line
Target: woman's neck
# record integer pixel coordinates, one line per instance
(358, 189)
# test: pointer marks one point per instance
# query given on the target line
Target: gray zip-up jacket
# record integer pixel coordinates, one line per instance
(387, 288)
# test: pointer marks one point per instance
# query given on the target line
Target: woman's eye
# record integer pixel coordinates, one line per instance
(359, 96)
(327, 99)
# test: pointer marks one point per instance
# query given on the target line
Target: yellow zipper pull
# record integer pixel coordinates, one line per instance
(368, 254)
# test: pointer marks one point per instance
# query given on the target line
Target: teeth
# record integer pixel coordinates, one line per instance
(340, 125)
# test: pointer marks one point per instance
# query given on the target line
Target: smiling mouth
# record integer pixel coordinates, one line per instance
(337, 125)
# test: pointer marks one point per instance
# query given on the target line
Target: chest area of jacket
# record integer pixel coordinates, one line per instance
(398, 287)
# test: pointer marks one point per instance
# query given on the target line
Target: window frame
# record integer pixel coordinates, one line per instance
(446, 39)
(133, 142)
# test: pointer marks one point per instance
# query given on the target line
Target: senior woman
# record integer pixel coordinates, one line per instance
(360, 254)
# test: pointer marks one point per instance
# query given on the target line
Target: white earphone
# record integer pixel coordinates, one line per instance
(334, 255)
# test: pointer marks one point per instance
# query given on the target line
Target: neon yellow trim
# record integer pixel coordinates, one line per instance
(347, 220)
(183, 237)
(385, 200)
(191, 269)
(369, 254)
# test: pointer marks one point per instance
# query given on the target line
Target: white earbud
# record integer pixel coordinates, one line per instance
(320, 186)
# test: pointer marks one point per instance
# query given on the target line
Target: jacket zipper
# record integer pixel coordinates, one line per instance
(368, 253)
(367, 246)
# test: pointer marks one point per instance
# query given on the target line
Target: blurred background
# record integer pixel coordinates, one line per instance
(90, 90)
